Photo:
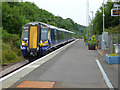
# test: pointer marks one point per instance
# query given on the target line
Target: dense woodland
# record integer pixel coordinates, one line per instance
(17, 14)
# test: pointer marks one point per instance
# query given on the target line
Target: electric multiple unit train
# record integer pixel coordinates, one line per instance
(39, 38)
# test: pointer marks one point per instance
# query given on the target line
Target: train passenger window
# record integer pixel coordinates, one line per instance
(52, 34)
(25, 34)
(58, 35)
(44, 33)
(62, 35)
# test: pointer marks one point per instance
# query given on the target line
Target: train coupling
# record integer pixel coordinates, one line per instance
(33, 53)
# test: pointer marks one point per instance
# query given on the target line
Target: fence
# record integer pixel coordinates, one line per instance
(110, 42)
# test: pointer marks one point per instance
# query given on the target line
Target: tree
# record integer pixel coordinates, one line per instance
(109, 20)
(16, 14)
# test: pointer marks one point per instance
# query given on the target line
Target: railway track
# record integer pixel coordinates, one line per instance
(9, 68)
(13, 67)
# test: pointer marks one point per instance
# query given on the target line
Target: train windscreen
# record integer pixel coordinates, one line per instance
(25, 34)
(44, 33)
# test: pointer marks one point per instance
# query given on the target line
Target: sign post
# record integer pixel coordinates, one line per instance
(116, 12)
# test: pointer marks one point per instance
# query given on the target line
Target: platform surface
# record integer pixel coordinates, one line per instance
(74, 67)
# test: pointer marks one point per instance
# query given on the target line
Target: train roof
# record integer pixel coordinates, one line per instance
(65, 30)
(50, 26)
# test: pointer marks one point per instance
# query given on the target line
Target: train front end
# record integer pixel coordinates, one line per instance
(35, 40)
(30, 40)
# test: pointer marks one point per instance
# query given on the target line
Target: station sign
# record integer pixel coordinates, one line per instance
(115, 12)
(116, 5)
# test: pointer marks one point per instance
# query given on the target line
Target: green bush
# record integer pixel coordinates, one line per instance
(11, 52)
(14, 39)
(7, 53)
(10, 56)
(93, 40)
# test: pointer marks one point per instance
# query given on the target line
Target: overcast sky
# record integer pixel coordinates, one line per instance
(74, 9)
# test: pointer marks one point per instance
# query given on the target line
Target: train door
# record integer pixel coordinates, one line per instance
(34, 38)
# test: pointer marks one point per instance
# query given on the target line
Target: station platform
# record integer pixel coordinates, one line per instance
(74, 67)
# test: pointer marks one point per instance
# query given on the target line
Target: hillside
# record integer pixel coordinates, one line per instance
(15, 15)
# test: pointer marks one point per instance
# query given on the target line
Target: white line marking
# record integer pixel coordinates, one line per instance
(105, 76)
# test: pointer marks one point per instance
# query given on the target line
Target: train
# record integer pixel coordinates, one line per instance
(39, 38)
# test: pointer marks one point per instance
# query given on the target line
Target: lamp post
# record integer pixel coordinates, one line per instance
(103, 38)
(89, 27)
(92, 22)
(87, 18)
(103, 16)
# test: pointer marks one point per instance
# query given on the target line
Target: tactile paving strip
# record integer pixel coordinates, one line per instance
(36, 84)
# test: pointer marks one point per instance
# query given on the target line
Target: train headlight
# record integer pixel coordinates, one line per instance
(44, 43)
(41, 41)
(24, 43)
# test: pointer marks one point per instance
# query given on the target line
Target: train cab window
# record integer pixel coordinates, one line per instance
(25, 35)
(44, 33)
